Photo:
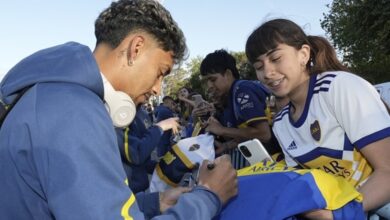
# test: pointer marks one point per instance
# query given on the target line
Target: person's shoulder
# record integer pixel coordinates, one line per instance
(337, 76)
(284, 113)
(250, 85)
(339, 79)
(68, 99)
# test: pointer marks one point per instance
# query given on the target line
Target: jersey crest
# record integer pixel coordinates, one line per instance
(315, 130)
(194, 147)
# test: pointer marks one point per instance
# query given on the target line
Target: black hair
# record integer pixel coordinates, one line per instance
(282, 31)
(126, 16)
(218, 62)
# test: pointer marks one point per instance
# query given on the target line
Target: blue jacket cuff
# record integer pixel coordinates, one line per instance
(210, 198)
(161, 132)
(148, 203)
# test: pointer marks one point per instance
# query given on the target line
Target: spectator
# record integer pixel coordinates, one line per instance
(165, 111)
(186, 104)
(136, 144)
(335, 120)
(243, 103)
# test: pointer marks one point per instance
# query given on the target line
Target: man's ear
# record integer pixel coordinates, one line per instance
(229, 74)
(134, 48)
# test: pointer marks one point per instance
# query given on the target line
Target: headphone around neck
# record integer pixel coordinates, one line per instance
(119, 105)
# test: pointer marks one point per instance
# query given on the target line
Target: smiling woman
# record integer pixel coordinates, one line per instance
(335, 121)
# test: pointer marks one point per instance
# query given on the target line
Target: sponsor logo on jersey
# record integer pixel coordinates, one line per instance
(335, 167)
(315, 130)
(242, 98)
(247, 105)
(292, 146)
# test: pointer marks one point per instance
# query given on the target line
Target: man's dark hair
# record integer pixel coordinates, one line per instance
(126, 16)
(218, 62)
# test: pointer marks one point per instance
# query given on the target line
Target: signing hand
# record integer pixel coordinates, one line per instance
(214, 126)
(222, 179)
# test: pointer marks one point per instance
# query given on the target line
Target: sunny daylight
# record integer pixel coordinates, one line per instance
(195, 109)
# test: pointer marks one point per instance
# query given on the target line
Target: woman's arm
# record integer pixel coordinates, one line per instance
(376, 191)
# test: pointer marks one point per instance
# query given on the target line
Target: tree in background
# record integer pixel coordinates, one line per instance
(194, 81)
(360, 30)
(174, 81)
(245, 69)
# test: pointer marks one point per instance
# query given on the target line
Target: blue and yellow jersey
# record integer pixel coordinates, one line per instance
(246, 107)
(247, 104)
(274, 191)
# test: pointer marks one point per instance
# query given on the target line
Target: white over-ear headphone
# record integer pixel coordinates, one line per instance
(119, 105)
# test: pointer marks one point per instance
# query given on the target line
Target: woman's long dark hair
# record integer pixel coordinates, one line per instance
(282, 31)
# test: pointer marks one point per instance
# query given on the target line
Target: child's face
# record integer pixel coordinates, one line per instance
(283, 69)
(183, 92)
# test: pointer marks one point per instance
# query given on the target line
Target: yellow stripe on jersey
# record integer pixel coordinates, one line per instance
(163, 177)
(126, 144)
(336, 191)
(182, 157)
(126, 207)
(197, 129)
(245, 124)
(264, 167)
(268, 114)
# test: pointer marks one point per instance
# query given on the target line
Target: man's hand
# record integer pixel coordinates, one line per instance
(169, 198)
(222, 179)
(170, 123)
(203, 109)
(214, 126)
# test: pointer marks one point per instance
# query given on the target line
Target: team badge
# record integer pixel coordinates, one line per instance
(242, 98)
(168, 158)
(315, 130)
(194, 147)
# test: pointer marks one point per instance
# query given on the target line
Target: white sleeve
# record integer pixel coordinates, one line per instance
(359, 110)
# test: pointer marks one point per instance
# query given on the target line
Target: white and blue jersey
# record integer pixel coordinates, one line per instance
(343, 113)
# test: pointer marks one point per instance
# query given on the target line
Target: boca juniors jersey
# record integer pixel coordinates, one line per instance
(246, 104)
(246, 107)
(343, 113)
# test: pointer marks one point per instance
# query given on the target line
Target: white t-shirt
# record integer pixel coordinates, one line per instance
(343, 113)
